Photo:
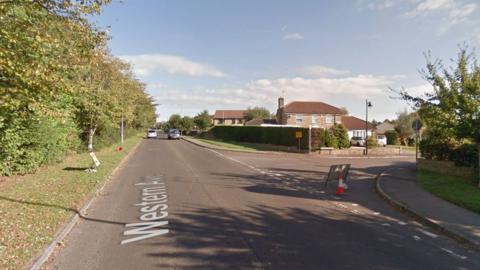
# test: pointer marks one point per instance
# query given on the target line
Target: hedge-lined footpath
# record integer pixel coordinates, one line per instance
(461, 192)
(33, 207)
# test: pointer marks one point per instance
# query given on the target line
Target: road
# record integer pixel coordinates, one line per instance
(228, 210)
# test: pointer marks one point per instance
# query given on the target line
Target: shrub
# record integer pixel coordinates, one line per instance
(465, 154)
(330, 140)
(267, 135)
(372, 141)
(340, 133)
(46, 140)
(392, 137)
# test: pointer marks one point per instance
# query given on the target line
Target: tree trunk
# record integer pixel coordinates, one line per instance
(478, 169)
(91, 132)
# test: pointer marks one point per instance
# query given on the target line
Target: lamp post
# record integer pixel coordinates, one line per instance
(368, 104)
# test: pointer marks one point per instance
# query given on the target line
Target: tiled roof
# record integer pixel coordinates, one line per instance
(311, 107)
(354, 123)
(229, 114)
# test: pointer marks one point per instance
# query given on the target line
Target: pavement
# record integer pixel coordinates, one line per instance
(175, 205)
(400, 186)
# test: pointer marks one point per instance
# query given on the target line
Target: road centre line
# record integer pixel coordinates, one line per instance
(432, 235)
(454, 254)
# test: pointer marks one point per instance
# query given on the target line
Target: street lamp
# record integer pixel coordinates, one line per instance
(368, 104)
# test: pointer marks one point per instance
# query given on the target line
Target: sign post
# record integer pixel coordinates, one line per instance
(416, 125)
(298, 135)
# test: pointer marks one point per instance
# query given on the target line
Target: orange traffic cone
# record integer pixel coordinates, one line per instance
(340, 188)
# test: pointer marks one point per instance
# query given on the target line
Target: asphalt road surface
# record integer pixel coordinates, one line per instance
(175, 205)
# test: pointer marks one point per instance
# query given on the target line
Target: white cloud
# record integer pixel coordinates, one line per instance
(426, 6)
(445, 13)
(419, 90)
(264, 92)
(322, 71)
(147, 64)
(375, 4)
(292, 36)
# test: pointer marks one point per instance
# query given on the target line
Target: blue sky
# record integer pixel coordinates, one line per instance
(196, 55)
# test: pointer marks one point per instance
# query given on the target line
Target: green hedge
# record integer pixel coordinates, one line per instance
(267, 135)
(463, 155)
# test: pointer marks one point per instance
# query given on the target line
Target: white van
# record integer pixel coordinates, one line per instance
(382, 140)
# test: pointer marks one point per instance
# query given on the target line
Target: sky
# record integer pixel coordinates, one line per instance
(213, 54)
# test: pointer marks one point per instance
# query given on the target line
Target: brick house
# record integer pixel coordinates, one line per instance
(306, 113)
(356, 126)
(229, 117)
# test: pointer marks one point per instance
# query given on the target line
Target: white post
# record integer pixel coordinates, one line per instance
(309, 138)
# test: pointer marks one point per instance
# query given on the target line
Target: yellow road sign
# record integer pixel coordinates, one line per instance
(298, 134)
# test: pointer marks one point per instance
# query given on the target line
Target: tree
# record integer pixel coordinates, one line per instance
(257, 113)
(344, 110)
(59, 84)
(175, 121)
(403, 126)
(187, 123)
(452, 109)
(341, 135)
(203, 120)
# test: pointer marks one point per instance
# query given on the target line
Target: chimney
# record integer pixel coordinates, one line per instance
(280, 102)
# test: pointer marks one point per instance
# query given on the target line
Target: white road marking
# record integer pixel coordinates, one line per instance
(376, 213)
(427, 233)
(454, 254)
(402, 223)
(354, 204)
(277, 174)
(342, 205)
(417, 238)
(386, 224)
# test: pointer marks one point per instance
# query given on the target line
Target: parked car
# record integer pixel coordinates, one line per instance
(382, 140)
(152, 133)
(357, 141)
(174, 134)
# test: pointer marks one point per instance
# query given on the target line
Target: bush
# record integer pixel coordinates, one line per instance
(465, 154)
(46, 140)
(267, 135)
(340, 133)
(372, 141)
(392, 137)
(330, 140)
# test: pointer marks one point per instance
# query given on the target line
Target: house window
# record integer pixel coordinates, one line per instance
(314, 118)
(298, 118)
(328, 119)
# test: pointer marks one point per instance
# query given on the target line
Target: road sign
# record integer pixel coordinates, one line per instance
(417, 125)
(95, 159)
(336, 171)
(298, 134)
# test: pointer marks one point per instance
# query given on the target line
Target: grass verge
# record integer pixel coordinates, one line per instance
(33, 207)
(246, 146)
(462, 193)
